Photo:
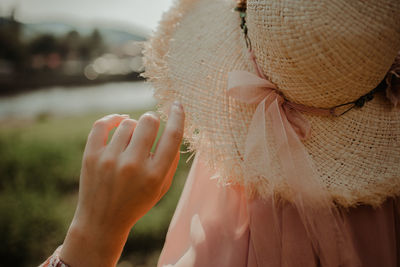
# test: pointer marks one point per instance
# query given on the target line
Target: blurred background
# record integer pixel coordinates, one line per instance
(64, 64)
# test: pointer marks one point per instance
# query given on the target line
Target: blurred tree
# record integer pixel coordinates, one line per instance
(92, 46)
(96, 43)
(12, 48)
(43, 44)
(85, 51)
(71, 43)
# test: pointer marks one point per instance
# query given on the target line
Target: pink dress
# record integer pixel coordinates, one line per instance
(216, 226)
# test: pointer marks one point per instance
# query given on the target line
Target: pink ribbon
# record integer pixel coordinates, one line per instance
(251, 89)
(274, 138)
(275, 120)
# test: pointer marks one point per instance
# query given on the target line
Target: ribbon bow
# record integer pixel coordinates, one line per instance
(277, 120)
(274, 137)
(251, 89)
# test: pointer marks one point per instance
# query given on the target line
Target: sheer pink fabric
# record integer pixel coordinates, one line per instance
(217, 226)
(274, 138)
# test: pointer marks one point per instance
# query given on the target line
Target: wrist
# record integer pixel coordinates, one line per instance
(86, 245)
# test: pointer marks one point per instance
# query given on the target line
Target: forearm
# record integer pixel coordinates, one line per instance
(90, 247)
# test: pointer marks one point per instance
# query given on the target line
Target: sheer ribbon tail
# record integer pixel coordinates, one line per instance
(274, 137)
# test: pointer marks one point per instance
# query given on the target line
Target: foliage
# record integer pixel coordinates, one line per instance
(21, 52)
(39, 176)
(12, 48)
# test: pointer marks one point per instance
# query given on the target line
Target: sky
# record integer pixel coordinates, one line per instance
(143, 13)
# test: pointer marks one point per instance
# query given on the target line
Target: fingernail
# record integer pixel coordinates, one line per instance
(125, 115)
(151, 113)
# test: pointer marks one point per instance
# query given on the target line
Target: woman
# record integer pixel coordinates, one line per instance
(283, 194)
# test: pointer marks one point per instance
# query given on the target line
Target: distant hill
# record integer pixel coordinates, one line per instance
(34, 55)
(110, 36)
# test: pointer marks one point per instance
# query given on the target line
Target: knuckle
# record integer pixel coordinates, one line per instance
(150, 119)
(128, 167)
(128, 123)
(90, 159)
(175, 134)
(108, 162)
(153, 176)
(99, 124)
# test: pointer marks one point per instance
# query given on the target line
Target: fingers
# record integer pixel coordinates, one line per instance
(170, 140)
(122, 136)
(101, 128)
(135, 139)
(144, 136)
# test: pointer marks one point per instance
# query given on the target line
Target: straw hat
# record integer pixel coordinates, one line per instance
(318, 54)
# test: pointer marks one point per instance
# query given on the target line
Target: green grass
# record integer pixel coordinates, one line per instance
(39, 176)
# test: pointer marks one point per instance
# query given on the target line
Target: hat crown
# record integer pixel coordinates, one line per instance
(324, 53)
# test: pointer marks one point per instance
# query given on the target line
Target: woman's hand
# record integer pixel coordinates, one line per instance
(120, 182)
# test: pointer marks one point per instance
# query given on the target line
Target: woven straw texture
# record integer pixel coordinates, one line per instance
(318, 54)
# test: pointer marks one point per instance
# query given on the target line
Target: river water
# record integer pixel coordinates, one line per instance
(110, 97)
